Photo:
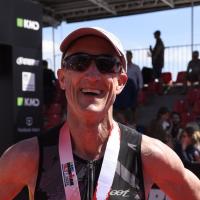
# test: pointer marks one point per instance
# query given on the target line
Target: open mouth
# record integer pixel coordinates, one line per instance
(91, 92)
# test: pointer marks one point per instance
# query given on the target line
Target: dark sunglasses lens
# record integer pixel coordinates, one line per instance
(77, 62)
(106, 64)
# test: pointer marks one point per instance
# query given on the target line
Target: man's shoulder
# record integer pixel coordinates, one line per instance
(154, 151)
(22, 151)
(133, 66)
(130, 135)
(19, 163)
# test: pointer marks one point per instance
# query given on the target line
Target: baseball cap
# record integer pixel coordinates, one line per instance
(96, 31)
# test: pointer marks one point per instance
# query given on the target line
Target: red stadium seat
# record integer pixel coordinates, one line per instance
(180, 106)
(196, 107)
(181, 78)
(187, 117)
(154, 88)
(193, 95)
(166, 78)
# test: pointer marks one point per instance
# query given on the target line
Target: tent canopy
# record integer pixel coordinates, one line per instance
(70, 11)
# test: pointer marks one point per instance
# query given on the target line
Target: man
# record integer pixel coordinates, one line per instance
(193, 69)
(49, 80)
(133, 71)
(157, 54)
(134, 74)
(91, 156)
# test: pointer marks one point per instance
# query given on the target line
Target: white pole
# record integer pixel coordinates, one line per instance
(54, 56)
(192, 25)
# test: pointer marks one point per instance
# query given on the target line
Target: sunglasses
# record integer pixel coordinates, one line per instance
(80, 62)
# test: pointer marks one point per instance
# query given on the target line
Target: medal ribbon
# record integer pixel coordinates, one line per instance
(70, 180)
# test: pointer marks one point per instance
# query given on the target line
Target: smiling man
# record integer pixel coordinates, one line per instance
(91, 156)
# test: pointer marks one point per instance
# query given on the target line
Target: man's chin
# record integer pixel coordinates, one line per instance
(92, 109)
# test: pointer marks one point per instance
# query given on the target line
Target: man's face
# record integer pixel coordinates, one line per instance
(90, 91)
(128, 57)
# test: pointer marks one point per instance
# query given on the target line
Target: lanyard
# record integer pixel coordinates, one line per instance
(70, 181)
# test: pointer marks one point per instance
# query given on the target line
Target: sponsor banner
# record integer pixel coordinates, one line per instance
(27, 72)
(27, 61)
(28, 122)
(28, 130)
(28, 82)
(27, 24)
(21, 23)
(28, 102)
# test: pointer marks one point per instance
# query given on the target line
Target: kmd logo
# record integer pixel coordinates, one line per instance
(29, 102)
(28, 24)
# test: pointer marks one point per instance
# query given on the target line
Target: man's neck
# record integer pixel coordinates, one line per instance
(89, 139)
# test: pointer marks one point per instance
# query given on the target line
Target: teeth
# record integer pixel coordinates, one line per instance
(91, 91)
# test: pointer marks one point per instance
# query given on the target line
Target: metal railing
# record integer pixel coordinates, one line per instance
(176, 58)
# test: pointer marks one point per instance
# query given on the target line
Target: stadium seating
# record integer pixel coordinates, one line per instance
(196, 107)
(180, 106)
(193, 95)
(187, 117)
(181, 78)
(166, 78)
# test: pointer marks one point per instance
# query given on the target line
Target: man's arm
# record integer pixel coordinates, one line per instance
(165, 168)
(18, 167)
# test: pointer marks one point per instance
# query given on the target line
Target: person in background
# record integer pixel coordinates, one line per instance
(91, 156)
(196, 138)
(157, 55)
(176, 127)
(134, 72)
(186, 147)
(49, 80)
(160, 126)
(193, 68)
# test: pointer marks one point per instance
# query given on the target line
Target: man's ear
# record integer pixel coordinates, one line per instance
(122, 79)
(61, 78)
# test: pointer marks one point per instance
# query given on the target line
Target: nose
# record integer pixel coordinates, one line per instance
(92, 72)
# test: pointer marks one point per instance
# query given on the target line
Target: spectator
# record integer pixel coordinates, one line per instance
(176, 127)
(134, 72)
(48, 83)
(194, 125)
(157, 55)
(160, 126)
(196, 138)
(125, 103)
(193, 68)
(186, 147)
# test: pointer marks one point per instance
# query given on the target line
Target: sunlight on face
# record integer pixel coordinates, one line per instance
(91, 92)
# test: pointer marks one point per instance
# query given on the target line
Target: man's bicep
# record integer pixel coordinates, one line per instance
(10, 181)
(18, 166)
(9, 190)
(167, 171)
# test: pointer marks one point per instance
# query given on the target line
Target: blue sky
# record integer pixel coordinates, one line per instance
(135, 31)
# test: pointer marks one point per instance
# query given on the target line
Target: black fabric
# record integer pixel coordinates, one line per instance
(127, 98)
(147, 74)
(128, 181)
